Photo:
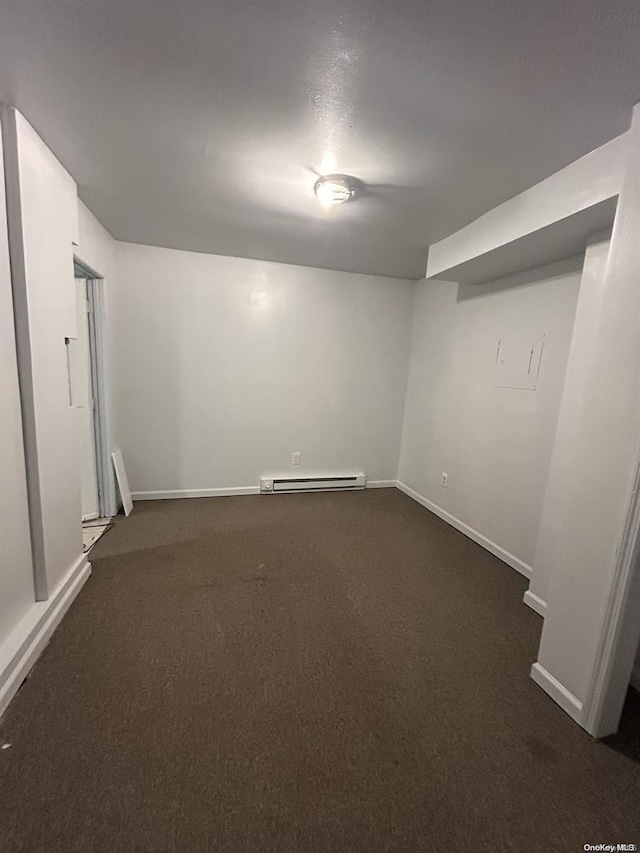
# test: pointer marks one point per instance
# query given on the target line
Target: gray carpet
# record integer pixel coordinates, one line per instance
(332, 672)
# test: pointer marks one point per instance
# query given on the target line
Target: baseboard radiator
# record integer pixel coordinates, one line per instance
(329, 483)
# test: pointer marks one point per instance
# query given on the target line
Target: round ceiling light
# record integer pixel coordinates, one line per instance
(334, 189)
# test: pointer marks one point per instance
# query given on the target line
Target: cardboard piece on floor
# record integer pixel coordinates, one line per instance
(123, 483)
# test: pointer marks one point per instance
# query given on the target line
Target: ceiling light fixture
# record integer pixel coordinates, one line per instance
(335, 189)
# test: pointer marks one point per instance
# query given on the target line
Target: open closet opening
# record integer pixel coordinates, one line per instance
(88, 399)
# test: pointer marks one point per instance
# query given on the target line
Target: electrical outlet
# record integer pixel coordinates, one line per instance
(295, 458)
(444, 479)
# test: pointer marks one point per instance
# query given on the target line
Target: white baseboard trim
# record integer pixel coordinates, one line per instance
(558, 692)
(535, 603)
(229, 492)
(195, 493)
(479, 538)
(26, 642)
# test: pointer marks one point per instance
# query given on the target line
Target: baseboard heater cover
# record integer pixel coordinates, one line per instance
(341, 482)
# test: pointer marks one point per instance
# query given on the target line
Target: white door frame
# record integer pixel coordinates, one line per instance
(107, 501)
(81, 398)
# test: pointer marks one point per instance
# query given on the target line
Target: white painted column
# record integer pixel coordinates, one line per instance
(17, 592)
(592, 479)
(42, 210)
(559, 496)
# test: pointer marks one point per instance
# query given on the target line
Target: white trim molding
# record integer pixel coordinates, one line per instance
(558, 692)
(495, 549)
(170, 494)
(107, 494)
(535, 603)
(25, 644)
(381, 484)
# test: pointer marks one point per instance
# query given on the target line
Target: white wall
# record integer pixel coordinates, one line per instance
(96, 247)
(225, 366)
(16, 568)
(494, 443)
(41, 210)
(43, 207)
(559, 494)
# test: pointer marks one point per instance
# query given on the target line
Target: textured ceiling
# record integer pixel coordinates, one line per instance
(198, 124)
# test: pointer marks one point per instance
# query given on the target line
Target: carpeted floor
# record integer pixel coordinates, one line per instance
(336, 672)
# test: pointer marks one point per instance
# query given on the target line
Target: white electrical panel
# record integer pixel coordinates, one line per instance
(517, 362)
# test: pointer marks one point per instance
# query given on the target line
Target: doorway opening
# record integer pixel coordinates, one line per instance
(88, 399)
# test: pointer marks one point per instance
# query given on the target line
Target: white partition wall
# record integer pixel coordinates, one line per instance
(42, 205)
(42, 225)
(17, 593)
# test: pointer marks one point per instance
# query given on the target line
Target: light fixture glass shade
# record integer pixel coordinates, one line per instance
(334, 189)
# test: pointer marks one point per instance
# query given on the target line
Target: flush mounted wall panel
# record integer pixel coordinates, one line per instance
(517, 362)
